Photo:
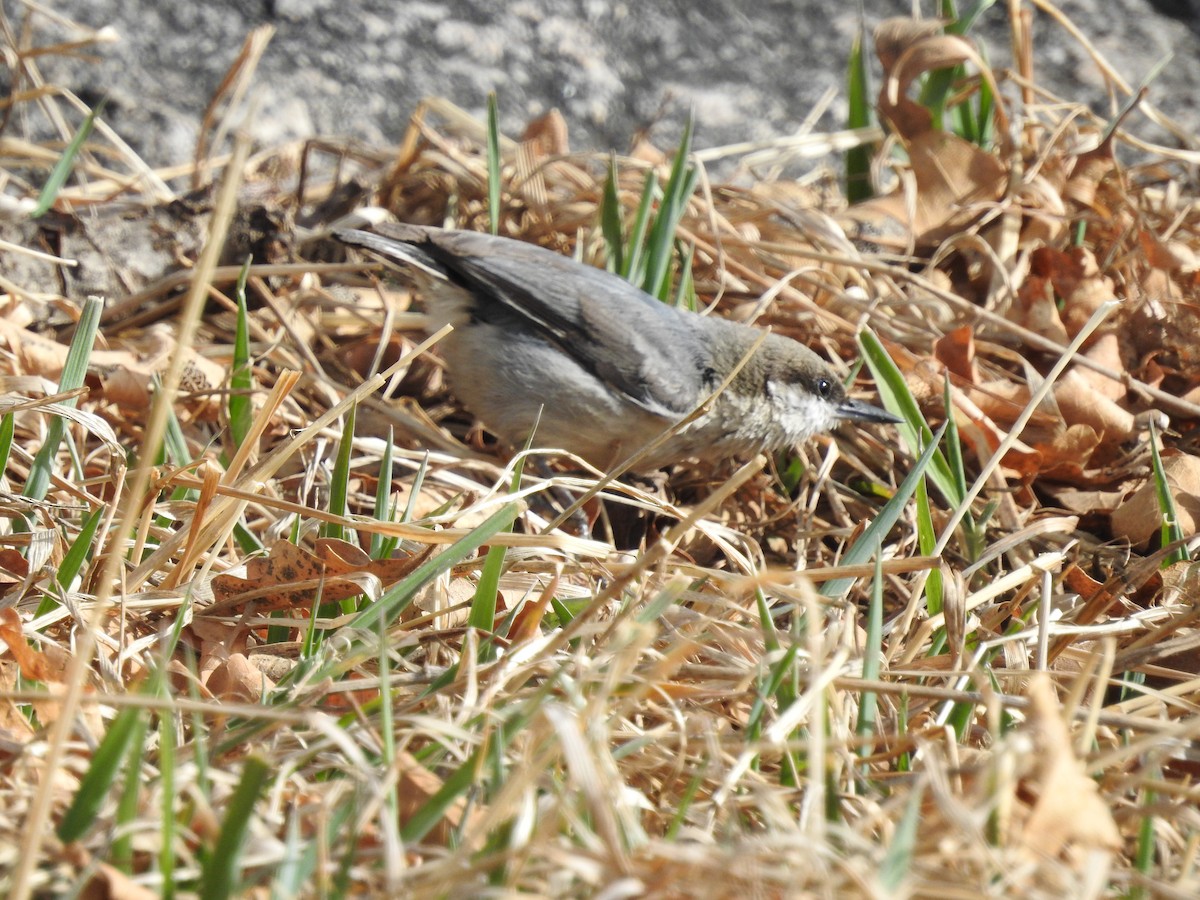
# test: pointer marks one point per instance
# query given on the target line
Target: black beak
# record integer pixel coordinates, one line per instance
(857, 411)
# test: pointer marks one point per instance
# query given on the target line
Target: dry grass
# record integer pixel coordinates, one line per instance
(670, 706)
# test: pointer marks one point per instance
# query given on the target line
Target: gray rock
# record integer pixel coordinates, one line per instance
(357, 68)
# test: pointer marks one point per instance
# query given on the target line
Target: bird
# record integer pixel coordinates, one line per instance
(575, 358)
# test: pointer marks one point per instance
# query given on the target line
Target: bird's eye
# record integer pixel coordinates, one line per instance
(824, 388)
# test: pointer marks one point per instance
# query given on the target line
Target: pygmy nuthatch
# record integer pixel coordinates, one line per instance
(602, 368)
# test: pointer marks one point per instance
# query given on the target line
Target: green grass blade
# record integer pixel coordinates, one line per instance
(73, 375)
(8, 426)
(482, 615)
(241, 378)
(339, 481)
(100, 776)
(396, 599)
(166, 831)
(962, 23)
(862, 549)
(435, 808)
(1147, 840)
(611, 219)
(660, 603)
(410, 508)
(767, 622)
(382, 545)
(872, 654)
(62, 169)
(660, 249)
(1170, 530)
(985, 116)
(898, 860)
(295, 871)
(127, 805)
(634, 270)
(175, 443)
(387, 721)
(685, 293)
(488, 758)
(927, 544)
(954, 454)
(858, 96)
(914, 430)
(77, 554)
(219, 877)
(493, 162)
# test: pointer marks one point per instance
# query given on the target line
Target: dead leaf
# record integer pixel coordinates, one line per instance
(1081, 404)
(105, 882)
(14, 722)
(237, 678)
(547, 135)
(1070, 449)
(35, 666)
(14, 569)
(290, 577)
(417, 786)
(1069, 812)
(954, 179)
(956, 351)
(1091, 168)
(1036, 308)
(125, 372)
(1106, 350)
(529, 618)
(1138, 518)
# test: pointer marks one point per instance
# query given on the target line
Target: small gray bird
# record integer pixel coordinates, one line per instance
(601, 367)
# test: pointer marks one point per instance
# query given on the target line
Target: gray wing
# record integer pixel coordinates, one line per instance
(653, 354)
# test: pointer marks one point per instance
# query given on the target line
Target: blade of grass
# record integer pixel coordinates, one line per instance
(611, 220)
(486, 758)
(295, 871)
(898, 399)
(241, 378)
(127, 805)
(166, 831)
(858, 98)
(1147, 841)
(219, 871)
(482, 615)
(862, 549)
(397, 598)
(868, 705)
(79, 551)
(101, 773)
(8, 425)
(73, 375)
(62, 169)
(1170, 530)
(685, 293)
(175, 446)
(410, 508)
(660, 250)
(493, 162)
(382, 545)
(898, 860)
(339, 480)
(635, 260)
(774, 684)
(387, 752)
(77, 554)
(926, 542)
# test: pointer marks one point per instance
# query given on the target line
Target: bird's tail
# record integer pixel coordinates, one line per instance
(397, 250)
